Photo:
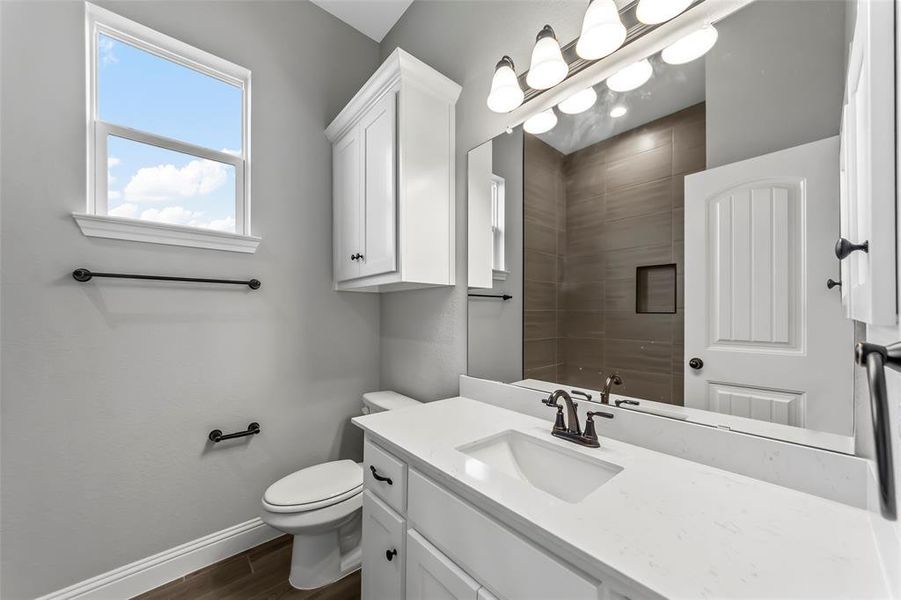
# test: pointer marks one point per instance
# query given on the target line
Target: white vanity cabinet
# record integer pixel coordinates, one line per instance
(393, 180)
(451, 550)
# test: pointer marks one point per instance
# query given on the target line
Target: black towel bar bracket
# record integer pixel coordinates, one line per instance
(875, 358)
(85, 275)
(217, 436)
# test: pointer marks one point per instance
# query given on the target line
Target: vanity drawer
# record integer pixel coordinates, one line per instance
(385, 476)
(384, 553)
(495, 556)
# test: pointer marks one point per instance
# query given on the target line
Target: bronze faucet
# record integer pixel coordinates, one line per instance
(571, 430)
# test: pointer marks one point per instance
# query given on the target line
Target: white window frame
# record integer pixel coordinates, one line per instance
(95, 221)
(498, 227)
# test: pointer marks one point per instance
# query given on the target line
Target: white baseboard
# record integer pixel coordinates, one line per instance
(153, 571)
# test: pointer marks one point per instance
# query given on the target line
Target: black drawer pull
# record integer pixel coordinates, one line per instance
(390, 554)
(380, 478)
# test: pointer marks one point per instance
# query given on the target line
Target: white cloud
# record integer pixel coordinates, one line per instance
(106, 47)
(226, 224)
(113, 161)
(167, 182)
(123, 210)
(175, 215)
(113, 194)
(179, 215)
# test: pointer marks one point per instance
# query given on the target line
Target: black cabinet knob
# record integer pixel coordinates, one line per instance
(696, 363)
(844, 248)
(353, 257)
(831, 283)
(390, 554)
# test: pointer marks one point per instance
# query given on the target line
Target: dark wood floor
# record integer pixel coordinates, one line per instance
(260, 573)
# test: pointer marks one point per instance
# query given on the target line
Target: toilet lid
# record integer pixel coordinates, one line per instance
(336, 480)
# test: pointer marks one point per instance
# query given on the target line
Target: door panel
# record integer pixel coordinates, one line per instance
(753, 240)
(383, 532)
(378, 133)
(433, 576)
(346, 190)
(774, 342)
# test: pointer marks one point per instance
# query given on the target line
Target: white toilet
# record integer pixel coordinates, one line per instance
(321, 506)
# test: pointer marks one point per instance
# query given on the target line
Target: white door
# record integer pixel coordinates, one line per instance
(759, 237)
(433, 576)
(378, 133)
(383, 550)
(868, 167)
(346, 178)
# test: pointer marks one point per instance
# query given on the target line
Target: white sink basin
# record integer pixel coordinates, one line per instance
(564, 474)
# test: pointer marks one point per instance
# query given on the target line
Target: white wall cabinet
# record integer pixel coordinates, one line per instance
(451, 550)
(393, 180)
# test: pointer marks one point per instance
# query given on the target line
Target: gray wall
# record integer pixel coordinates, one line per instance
(495, 327)
(775, 78)
(427, 328)
(109, 389)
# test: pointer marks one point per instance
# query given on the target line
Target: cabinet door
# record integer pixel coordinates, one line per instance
(433, 576)
(378, 135)
(346, 180)
(868, 167)
(383, 550)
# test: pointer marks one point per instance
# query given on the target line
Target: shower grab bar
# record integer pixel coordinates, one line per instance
(217, 436)
(875, 357)
(85, 275)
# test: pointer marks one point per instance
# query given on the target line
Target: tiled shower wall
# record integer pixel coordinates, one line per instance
(623, 208)
(543, 248)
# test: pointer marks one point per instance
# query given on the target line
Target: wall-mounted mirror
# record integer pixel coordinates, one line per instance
(680, 236)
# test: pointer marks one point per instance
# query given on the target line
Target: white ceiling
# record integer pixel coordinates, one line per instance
(374, 18)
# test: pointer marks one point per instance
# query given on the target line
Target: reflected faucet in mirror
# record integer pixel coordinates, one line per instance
(612, 380)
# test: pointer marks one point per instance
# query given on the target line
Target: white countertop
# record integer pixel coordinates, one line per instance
(677, 528)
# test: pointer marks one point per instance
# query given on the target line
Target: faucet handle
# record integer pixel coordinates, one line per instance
(591, 434)
(559, 423)
(585, 395)
(551, 401)
(629, 402)
(599, 413)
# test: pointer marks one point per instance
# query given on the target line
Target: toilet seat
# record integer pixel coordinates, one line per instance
(315, 487)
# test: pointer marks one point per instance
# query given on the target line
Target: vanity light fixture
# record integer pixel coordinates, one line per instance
(579, 102)
(506, 93)
(541, 123)
(602, 30)
(618, 111)
(692, 46)
(632, 77)
(548, 67)
(652, 12)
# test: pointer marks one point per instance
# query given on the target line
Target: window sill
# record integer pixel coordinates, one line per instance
(119, 228)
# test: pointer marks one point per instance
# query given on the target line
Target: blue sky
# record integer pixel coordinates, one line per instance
(142, 91)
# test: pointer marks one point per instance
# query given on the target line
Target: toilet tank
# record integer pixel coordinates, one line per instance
(374, 402)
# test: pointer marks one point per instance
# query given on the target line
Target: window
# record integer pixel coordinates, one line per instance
(168, 140)
(498, 222)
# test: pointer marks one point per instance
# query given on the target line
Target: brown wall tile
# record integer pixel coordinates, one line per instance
(539, 324)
